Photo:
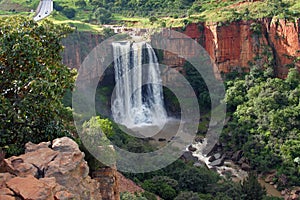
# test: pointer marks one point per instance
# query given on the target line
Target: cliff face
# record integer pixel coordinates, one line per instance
(285, 39)
(232, 46)
(77, 46)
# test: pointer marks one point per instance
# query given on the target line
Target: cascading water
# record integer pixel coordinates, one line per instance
(138, 93)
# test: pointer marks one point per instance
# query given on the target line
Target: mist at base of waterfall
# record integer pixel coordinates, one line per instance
(138, 93)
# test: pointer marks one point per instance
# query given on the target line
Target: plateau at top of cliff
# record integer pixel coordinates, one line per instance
(92, 15)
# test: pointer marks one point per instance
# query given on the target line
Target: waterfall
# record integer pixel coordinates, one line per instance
(137, 103)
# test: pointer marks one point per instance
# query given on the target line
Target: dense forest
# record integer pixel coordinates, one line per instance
(264, 113)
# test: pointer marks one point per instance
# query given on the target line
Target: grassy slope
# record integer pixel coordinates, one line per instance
(216, 10)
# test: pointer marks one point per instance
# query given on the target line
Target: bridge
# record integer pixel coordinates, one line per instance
(43, 10)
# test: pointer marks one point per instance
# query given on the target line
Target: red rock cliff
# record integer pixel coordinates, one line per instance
(232, 46)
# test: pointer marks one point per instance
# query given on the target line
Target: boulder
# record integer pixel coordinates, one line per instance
(4, 177)
(49, 172)
(245, 167)
(7, 197)
(284, 192)
(269, 178)
(6, 191)
(217, 156)
(30, 188)
(64, 195)
(30, 147)
(237, 156)
(199, 139)
(191, 148)
(218, 162)
(17, 166)
(296, 190)
(200, 164)
(212, 158)
(295, 197)
(187, 156)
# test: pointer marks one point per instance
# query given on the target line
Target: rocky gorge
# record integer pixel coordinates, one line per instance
(232, 46)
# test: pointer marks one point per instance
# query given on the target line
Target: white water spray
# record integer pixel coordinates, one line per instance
(137, 103)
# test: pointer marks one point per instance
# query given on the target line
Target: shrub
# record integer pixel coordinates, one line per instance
(69, 12)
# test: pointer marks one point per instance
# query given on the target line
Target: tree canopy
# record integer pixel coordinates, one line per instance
(33, 82)
(265, 121)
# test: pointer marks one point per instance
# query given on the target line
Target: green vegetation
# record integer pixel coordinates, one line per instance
(183, 181)
(33, 83)
(140, 196)
(265, 122)
(252, 189)
(156, 13)
(264, 111)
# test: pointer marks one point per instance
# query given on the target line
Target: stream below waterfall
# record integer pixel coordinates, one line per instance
(139, 105)
(229, 168)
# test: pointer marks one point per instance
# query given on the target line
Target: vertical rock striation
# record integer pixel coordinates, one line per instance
(232, 46)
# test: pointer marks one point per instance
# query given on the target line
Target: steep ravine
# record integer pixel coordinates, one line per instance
(231, 46)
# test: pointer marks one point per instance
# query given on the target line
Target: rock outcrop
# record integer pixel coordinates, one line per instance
(108, 180)
(50, 172)
(77, 46)
(232, 46)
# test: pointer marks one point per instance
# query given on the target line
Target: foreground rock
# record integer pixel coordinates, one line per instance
(45, 173)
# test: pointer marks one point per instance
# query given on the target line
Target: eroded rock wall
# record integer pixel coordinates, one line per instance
(232, 46)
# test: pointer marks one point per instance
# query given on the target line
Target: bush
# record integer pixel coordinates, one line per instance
(163, 186)
(152, 19)
(187, 195)
(197, 179)
(57, 7)
(103, 16)
(80, 3)
(252, 189)
(69, 12)
(256, 28)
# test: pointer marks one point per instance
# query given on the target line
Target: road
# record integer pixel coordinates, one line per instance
(44, 9)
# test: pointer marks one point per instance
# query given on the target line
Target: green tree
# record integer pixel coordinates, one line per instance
(33, 82)
(251, 188)
(94, 135)
(129, 196)
(197, 179)
(57, 7)
(102, 15)
(187, 195)
(152, 19)
(80, 3)
(163, 186)
(69, 12)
